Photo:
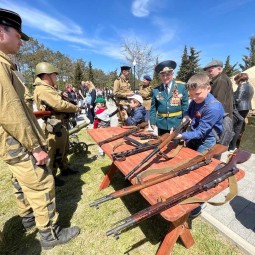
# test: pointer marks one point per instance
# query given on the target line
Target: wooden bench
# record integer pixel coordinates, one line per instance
(178, 214)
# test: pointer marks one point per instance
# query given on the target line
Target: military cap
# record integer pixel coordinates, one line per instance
(125, 68)
(100, 100)
(213, 63)
(165, 66)
(12, 19)
(147, 77)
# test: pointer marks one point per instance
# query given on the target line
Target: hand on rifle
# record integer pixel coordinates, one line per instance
(124, 114)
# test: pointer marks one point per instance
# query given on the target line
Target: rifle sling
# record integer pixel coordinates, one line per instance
(233, 189)
(164, 170)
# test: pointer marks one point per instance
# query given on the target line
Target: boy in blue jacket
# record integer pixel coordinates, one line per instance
(137, 113)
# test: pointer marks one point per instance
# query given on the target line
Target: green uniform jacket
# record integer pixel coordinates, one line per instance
(162, 103)
(146, 94)
(50, 95)
(121, 89)
(19, 129)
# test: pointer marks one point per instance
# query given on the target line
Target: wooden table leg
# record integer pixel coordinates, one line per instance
(178, 229)
(108, 176)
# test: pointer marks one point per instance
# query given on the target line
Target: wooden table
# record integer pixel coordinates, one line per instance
(178, 214)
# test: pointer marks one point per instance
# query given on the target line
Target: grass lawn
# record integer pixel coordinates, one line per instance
(73, 205)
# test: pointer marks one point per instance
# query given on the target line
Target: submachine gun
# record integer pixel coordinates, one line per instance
(210, 181)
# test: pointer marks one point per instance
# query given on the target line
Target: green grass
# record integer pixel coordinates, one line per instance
(73, 205)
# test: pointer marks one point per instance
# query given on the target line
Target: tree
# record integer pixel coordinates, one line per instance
(156, 80)
(90, 73)
(249, 60)
(78, 74)
(228, 69)
(189, 65)
(141, 53)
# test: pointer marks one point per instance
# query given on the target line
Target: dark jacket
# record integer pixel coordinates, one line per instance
(223, 92)
(243, 96)
(137, 116)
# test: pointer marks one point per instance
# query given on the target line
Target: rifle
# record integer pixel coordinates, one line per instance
(210, 181)
(185, 168)
(141, 147)
(121, 135)
(170, 137)
(78, 127)
(42, 114)
(119, 109)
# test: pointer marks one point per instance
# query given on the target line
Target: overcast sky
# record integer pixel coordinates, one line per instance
(94, 30)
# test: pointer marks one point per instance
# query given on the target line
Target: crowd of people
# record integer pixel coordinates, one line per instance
(34, 154)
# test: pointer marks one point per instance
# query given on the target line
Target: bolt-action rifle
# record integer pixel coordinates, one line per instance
(183, 126)
(210, 181)
(42, 114)
(127, 133)
(141, 147)
(185, 168)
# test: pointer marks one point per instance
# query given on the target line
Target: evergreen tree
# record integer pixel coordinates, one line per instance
(249, 60)
(91, 75)
(156, 80)
(228, 69)
(78, 74)
(189, 65)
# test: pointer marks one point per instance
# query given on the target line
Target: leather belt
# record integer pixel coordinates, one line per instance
(170, 114)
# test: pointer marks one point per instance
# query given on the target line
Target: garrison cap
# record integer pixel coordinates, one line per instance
(165, 66)
(213, 63)
(12, 19)
(125, 68)
(100, 100)
(147, 77)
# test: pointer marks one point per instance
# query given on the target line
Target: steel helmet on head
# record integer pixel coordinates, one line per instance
(45, 67)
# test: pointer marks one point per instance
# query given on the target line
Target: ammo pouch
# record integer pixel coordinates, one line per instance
(53, 126)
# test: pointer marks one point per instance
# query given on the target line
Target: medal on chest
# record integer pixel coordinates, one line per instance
(160, 96)
(175, 100)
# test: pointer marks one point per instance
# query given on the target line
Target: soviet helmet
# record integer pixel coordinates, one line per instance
(45, 67)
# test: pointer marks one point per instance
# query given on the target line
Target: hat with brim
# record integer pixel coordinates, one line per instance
(165, 66)
(137, 97)
(12, 19)
(125, 68)
(214, 63)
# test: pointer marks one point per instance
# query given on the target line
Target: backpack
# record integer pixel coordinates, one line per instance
(227, 129)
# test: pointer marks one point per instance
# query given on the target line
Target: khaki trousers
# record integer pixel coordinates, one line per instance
(35, 192)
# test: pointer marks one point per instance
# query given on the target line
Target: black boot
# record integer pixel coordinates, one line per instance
(58, 182)
(28, 221)
(56, 236)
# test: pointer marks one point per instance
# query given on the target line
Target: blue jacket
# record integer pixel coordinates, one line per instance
(137, 116)
(161, 102)
(204, 117)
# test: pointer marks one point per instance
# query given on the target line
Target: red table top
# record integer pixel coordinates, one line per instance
(167, 188)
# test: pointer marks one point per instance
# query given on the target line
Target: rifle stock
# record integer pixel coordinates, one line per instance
(121, 135)
(210, 181)
(185, 168)
(42, 114)
(166, 141)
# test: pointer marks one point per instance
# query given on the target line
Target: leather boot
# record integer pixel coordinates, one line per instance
(28, 221)
(56, 235)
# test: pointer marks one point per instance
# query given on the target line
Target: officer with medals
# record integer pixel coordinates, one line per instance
(145, 90)
(122, 89)
(169, 99)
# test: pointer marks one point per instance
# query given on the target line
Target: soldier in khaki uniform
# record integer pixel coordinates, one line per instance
(145, 90)
(47, 97)
(122, 88)
(22, 144)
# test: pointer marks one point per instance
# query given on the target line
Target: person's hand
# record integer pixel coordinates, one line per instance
(124, 114)
(42, 158)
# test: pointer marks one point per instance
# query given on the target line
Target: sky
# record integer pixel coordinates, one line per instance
(95, 30)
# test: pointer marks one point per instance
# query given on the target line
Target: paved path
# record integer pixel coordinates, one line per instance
(235, 219)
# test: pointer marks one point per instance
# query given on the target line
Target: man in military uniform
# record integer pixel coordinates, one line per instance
(145, 90)
(22, 144)
(169, 99)
(122, 90)
(47, 97)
